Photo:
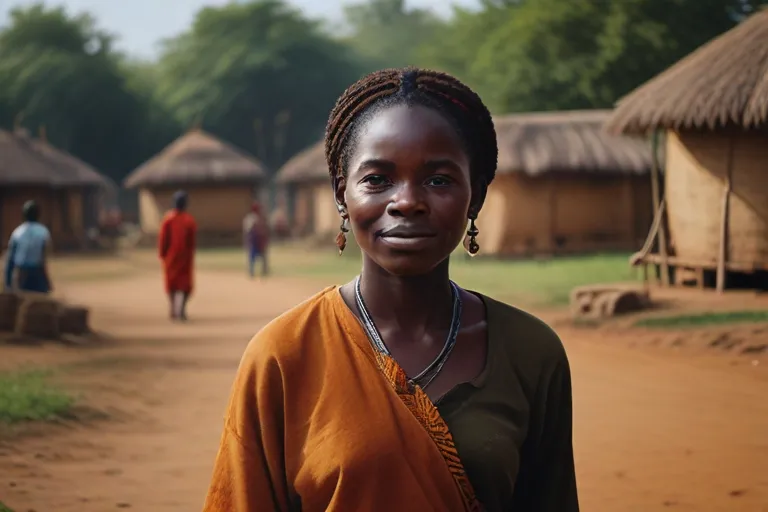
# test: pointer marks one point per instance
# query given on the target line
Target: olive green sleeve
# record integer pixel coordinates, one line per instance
(547, 482)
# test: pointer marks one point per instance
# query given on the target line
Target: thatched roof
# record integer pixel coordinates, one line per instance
(78, 171)
(723, 83)
(532, 143)
(308, 165)
(28, 161)
(571, 141)
(197, 158)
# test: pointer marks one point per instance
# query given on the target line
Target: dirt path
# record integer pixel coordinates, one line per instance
(653, 430)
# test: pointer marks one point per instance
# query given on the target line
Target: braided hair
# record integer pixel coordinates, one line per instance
(459, 104)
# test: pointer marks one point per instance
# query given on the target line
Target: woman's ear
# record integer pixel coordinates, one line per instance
(479, 192)
(340, 190)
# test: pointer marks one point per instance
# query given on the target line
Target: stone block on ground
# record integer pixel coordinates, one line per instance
(38, 317)
(73, 320)
(605, 301)
(9, 310)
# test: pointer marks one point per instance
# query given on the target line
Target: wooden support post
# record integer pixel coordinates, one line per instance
(629, 202)
(656, 193)
(553, 213)
(700, 278)
(723, 254)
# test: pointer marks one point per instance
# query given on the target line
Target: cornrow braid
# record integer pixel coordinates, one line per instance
(432, 89)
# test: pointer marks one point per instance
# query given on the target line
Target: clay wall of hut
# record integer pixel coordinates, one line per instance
(67, 190)
(61, 211)
(564, 213)
(699, 164)
(563, 186)
(314, 209)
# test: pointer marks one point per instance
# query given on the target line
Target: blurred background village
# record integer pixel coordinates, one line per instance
(632, 186)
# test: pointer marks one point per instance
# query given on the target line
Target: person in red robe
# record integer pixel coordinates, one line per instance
(176, 245)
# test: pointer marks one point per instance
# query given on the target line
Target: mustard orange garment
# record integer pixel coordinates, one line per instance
(314, 424)
(176, 245)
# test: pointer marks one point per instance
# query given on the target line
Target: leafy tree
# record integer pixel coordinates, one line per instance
(60, 72)
(526, 55)
(385, 33)
(257, 74)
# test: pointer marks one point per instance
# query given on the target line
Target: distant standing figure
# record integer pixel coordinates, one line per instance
(26, 268)
(176, 245)
(256, 239)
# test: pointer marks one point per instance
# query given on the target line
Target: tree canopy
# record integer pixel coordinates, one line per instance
(258, 74)
(263, 76)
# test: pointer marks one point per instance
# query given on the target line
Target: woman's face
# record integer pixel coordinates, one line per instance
(407, 189)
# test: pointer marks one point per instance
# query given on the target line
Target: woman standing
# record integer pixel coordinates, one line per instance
(400, 390)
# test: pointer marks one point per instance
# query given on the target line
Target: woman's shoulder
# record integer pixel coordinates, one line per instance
(522, 332)
(285, 337)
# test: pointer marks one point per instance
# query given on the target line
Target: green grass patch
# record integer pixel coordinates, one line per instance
(31, 396)
(704, 319)
(5, 508)
(531, 282)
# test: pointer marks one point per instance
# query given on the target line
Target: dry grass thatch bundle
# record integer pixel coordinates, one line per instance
(197, 158)
(723, 83)
(73, 320)
(25, 160)
(307, 165)
(38, 317)
(571, 141)
(9, 310)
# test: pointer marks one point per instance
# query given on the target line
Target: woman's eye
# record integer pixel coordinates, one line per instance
(438, 181)
(375, 180)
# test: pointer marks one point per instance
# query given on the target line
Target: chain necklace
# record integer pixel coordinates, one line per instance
(426, 377)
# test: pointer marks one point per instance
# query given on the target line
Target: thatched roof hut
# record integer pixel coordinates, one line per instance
(197, 158)
(68, 190)
(221, 181)
(28, 161)
(570, 141)
(564, 185)
(311, 205)
(723, 83)
(713, 108)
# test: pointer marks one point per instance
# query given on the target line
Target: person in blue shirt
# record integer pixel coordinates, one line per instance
(26, 267)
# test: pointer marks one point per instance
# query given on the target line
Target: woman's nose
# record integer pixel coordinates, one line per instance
(407, 200)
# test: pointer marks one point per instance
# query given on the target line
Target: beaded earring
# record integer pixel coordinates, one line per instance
(341, 238)
(470, 243)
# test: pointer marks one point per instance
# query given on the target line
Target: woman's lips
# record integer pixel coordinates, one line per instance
(400, 239)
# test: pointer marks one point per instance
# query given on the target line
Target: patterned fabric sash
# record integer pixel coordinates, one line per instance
(429, 417)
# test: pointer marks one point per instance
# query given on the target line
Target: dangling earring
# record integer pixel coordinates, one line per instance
(341, 238)
(471, 241)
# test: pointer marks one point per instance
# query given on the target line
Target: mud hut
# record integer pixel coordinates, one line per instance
(311, 205)
(565, 186)
(712, 110)
(67, 189)
(221, 180)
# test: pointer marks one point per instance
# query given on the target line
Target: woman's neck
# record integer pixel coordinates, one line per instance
(410, 304)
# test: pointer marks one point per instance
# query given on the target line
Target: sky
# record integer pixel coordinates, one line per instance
(141, 24)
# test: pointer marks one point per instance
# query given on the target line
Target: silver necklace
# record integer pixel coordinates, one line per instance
(426, 377)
